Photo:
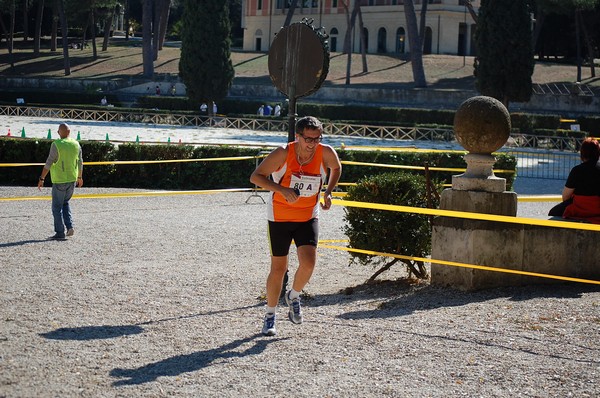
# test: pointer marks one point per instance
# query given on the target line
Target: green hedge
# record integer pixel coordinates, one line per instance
(67, 99)
(202, 174)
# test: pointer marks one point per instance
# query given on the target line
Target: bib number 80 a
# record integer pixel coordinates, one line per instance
(307, 185)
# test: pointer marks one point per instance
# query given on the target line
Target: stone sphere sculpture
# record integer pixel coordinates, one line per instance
(482, 125)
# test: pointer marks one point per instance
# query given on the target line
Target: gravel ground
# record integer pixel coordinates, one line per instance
(162, 296)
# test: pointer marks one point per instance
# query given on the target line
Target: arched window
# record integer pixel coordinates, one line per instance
(400, 40)
(258, 40)
(333, 36)
(381, 40)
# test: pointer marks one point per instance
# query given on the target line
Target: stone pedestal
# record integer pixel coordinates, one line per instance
(475, 242)
(479, 175)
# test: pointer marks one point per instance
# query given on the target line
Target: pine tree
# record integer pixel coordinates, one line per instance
(205, 65)
(504, 64)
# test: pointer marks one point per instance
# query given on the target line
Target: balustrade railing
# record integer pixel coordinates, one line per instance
(560, 153)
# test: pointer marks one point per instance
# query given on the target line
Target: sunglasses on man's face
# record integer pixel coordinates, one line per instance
(310, 140)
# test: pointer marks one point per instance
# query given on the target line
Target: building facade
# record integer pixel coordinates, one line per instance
(449, 25)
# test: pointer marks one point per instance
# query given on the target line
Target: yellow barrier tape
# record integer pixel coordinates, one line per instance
(403, 149)
(397, 166)
(463, 265)
(132, 194)
(102, 163)
(469, 215)
(543, 198)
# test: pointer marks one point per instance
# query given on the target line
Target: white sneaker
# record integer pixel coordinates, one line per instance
(269, 325)
(295, 312)
(70, 232)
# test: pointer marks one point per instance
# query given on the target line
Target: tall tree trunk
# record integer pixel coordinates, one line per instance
(537, 30)
(156, 28)
(363, 41)
(65, 36)
(11, 34)
(25, 20)
(54, 33)
(4, 30)
(590, 46)
(107, 26)
(348, 36)
(290, 14)
(578, 43)
(471, 10)
(423, 24)
(37, 37)
(84, 31)
(126, 16)
(416, 47)
(164, 21)
(147, 54)
(93, 33)
(348, 39)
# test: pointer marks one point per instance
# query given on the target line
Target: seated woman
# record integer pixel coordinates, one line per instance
(581, 194)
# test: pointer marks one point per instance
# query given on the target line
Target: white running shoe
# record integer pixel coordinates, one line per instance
(295, 312)
(269, 325)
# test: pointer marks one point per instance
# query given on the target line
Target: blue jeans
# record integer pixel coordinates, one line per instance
(61, 193)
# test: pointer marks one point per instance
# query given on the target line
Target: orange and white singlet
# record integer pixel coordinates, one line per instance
(307, 178)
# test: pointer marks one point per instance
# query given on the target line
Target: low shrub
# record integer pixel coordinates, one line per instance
(392, 232)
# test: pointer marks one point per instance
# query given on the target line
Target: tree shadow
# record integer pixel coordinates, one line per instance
(405, 297)
(250, 60)
(187, 363)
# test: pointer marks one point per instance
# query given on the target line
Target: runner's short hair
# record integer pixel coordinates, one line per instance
(308, 122)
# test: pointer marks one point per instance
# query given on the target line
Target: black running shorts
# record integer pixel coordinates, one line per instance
(282, 233)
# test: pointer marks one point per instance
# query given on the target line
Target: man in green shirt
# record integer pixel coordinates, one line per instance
(65, 164)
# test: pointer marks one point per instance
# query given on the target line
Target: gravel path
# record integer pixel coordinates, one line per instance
(161, 296)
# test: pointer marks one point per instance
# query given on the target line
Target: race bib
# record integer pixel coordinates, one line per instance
(307, 185)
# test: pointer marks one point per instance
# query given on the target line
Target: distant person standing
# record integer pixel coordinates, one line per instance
(295, 175)
(203, 109)
(268, 110)
(157, 90)
(261, 110)
(277, 110)
(173, 90)
(214, 109)
(65, 164)
(104, 101)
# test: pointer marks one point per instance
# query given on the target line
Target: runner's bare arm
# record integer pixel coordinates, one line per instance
(332, 162)
(260, 176)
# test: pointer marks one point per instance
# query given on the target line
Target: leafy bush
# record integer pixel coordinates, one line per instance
(388, 231)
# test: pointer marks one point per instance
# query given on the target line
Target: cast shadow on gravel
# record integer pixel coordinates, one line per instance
(22, 242)
(93, 332)
(405, 296)
(112, 331)
(195, 361)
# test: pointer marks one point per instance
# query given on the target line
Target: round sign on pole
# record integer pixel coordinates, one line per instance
(298, 63)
